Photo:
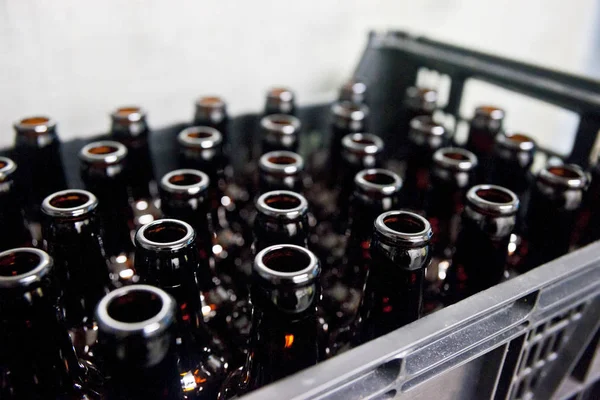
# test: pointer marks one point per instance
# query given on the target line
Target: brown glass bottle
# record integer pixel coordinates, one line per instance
(14, 232)
(393, 295)
(588, 219)
(103, 171)
(38, 155)
(280, 100)
(284, 296)
(281, 170)
(167, 257)
(512, 158)
(417, 102)
(484, 127)
(279, 132)
(71, 232)
(137, 343)
(425, 137)
(556, 195)
(129, 126)
(479, 261)
(37, 355)
(212, 111)
(354, 91)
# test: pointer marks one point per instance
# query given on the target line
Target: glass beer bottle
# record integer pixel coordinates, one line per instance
(212, 111)
(281, 170)
(279, 132)
(14, 232)
(280, 100)
(354, 91)
(484, 127)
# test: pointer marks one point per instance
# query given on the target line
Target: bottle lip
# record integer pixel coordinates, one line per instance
(281, 124)
(42, 268)
(151, 327)
(295, 166)
(181, 242)
(426, 125)
(293, 213)
(117, 153)
(455, 158)
(352, 88)
(419, 236)
(516, 141)
(423, 95)
(493, 200)
(37, 124)
(85, 202)
(489, 112)
(567, 176)
(211, 102)
(7, 168)
(363, 143)
(128, 114)
(280, 93)
(201, 137)
(349, 110)
(365, 184)
(200, 184)
(304, 275)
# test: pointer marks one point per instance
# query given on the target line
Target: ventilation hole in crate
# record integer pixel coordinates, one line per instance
(546, 346)
(532, 356)
(534, 379)
(579, 309)
(520, 391)
(559, 318)
(386, 396)
(558, 341)
(540, 328)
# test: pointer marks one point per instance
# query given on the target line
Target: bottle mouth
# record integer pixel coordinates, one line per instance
(211, 102)
(350, 111)
(105, 152)
(185, 181)
(136, 310)
(515, 141)
(568, 176)
(128, 114)
(165, 235)
(7, 168)
(281, 162)
(403, 228)
(353, 90)
(24, 266)
(287, 264)
(281, 94)
(427, 126)
(493, 200)
(362, 143)
(282, 204)
(201, 137)
(377, 180)
(489, 112)
(281, 124)
(35, 125)
(69, 203)
(455, 158)
(425, 98)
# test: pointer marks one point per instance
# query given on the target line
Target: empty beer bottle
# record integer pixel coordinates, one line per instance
(281, 170)
(425, 137)
(103, 171)
(37, 356)
(212, 111)
(38, 155)
(417, 102)
(280, 100)
(279, 132)
(14, 232)
(71, 232)
(354, 90)
(512, 158)
(484, 127)
(400, 252)
(588, 219)
(284, 296)
(137, 343)
(479, 261)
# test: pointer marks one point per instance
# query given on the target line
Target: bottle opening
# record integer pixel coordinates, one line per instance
(282, 160)
(103, 149)
(379, 178)
(69, 200)
(519, 138)
(199, 135)
(283, 202)
(18, 263)
(185, 179)
(280, 93)
(404, 223)
(3, 164)
(210, 101)
(363, 140)
(287, 260)
(33, 121)
(456, 156)
(135, 306)
(127, 111)
(494, 196)
(280, 121)
(491, 112)
(165, 232)
(564, 172)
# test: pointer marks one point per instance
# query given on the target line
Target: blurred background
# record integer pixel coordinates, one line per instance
(76, 61)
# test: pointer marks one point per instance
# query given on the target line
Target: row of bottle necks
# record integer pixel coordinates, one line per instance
(255, 279)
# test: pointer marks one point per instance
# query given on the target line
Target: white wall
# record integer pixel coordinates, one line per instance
(76, 60)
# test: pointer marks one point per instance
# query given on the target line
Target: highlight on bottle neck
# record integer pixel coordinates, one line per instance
(281, 163)
(23, 267)
(40, 130)
(211, 108)
(133, 318)
(185, 182)
(69, 203)
(424, 99)
(493, 208)
(453, 164)
(165, 235)
(282, 204)
(362, 148)
(103, 152)
(280, 100)
(130, 119)
(350, 116)
(200, 138)
(377, 183)
(488, 117)
(280, 129)
(354, 90)
(516, 147)
(426, 132)
(7, 169)
(567, 182)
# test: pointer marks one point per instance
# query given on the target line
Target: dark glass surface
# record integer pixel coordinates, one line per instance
(484, 127)
(212, 111)
(14, 231)
(280, 100)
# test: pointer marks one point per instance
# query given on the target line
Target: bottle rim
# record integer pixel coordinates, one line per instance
(425, 96)
(426, 125)
(117, 153)
(147, 328)
(184, 238)
(455, 158)
(7, 168)
(128, 114)
(308, 274)
(200, 184)
(567, 176)
(387, 226)
(295, 166)
(363, 143)
(297, 211)
(82, 202)
(351, 88)
(211, 102)
(516, 141)
(489, 112)
(493, 200)
(201, 137)
(37, 124)
(349, 110)
(43, 266)
(280, 124)
(365, 184)
(281, 93)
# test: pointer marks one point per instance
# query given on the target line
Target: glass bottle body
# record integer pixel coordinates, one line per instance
(14, 232)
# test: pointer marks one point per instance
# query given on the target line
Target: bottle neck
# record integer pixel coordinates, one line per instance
(269, 231)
